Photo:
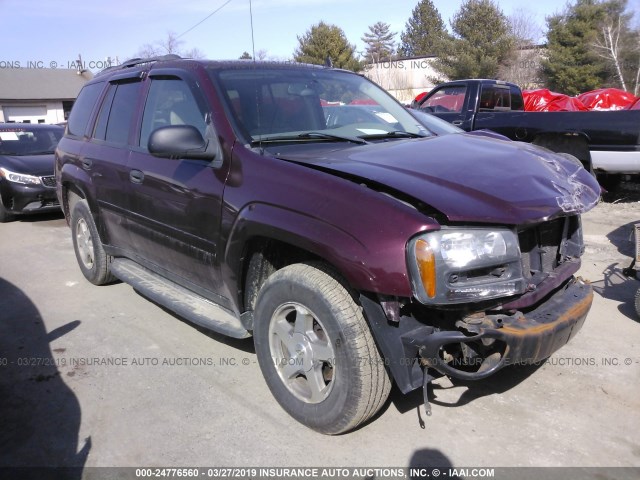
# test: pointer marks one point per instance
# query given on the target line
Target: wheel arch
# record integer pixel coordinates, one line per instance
(283, 237)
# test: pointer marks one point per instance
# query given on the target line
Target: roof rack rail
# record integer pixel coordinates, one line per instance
(138, 61)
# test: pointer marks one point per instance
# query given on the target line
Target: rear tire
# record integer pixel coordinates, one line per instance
(638, 303)
(316, 351)
(610, 182)
(92, 259)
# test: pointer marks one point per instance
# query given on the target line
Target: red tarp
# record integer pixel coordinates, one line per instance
(363, 101)
(544, 100)
(607, 99)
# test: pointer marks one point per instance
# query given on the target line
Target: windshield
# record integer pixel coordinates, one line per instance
(313, 104)
(20, 141)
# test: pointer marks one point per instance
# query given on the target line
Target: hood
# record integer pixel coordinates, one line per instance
(38, 165)
(468, 178)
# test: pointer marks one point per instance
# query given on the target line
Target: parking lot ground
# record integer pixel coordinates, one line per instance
(100, 376)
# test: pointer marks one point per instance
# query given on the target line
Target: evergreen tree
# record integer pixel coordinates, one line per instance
(246, 56)
(380, 42)
(424, 31)
(573, 66)
(322, 42)
(481, 42)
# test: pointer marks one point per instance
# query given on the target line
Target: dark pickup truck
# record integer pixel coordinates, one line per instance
(357, 244)
(607, 143)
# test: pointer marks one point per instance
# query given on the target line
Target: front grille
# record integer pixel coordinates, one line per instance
(546, 246)
(49, 181)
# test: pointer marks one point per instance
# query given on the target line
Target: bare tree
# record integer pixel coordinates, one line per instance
(170, 45)
(524, 65)
(608, 46)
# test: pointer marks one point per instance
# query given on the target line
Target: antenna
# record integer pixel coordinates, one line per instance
(253, 46)
(253, 43)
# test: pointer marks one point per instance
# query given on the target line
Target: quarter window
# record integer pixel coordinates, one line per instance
(82, 108)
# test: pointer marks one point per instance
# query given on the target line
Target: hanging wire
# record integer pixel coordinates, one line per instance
(205, 18)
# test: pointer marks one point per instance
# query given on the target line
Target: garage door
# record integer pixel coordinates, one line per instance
(32, 114)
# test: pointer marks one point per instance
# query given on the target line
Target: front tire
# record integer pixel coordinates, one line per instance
(92, 259)
(315, 350)
(638, 303)
(5, 215)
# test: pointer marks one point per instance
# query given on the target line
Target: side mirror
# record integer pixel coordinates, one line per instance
(179, 141)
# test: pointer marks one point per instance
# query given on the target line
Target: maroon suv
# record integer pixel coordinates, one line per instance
(357, 243)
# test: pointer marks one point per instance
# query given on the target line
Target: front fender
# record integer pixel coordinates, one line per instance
(364, 269)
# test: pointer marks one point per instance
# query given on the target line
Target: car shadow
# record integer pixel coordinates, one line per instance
(622, 239)
(40, 414)
(498, 383)
(617, 287)
(243, 344)
(40, 217)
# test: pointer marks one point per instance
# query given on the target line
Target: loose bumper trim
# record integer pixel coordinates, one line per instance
(528, 337)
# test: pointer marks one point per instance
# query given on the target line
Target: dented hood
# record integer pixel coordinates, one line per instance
(466, 177)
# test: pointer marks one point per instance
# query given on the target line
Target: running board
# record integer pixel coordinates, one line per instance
(178, 299)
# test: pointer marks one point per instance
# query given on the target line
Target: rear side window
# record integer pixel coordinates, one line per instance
(495, 97)
(116, 114)
(82, 108)
(517, 102)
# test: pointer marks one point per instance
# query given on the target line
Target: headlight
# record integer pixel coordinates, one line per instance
(465, 265)
(19, 177)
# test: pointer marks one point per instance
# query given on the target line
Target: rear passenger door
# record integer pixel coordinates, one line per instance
(106, 155)
(176, 205)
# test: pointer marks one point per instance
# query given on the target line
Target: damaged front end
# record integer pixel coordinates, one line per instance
(484, 298)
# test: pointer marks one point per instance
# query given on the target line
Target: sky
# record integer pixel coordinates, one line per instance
(46, 33)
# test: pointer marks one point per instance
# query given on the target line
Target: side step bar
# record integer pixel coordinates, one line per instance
(185, 303)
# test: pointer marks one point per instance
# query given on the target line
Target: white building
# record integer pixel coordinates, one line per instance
(39, 95)
(405, 78)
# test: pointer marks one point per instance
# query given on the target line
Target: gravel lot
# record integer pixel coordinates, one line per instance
(175, 395)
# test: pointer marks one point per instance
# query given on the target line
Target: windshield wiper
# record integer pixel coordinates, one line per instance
(392, 134)
(331, 136)
(41, 152)
(309, 136)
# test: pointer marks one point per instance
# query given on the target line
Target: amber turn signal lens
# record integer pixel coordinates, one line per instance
(427, 266)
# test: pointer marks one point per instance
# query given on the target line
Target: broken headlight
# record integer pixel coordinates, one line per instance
(459, 265)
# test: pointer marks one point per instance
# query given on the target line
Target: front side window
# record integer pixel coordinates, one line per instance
(170, 102)
(446, 100)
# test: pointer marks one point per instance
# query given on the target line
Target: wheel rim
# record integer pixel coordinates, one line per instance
(302, 353)
(84, 241)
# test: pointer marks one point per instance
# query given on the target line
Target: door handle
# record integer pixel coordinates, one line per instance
(136, 176)
(457, 123)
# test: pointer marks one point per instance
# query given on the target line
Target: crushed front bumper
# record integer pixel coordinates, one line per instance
(491, 342)
(481, 344)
